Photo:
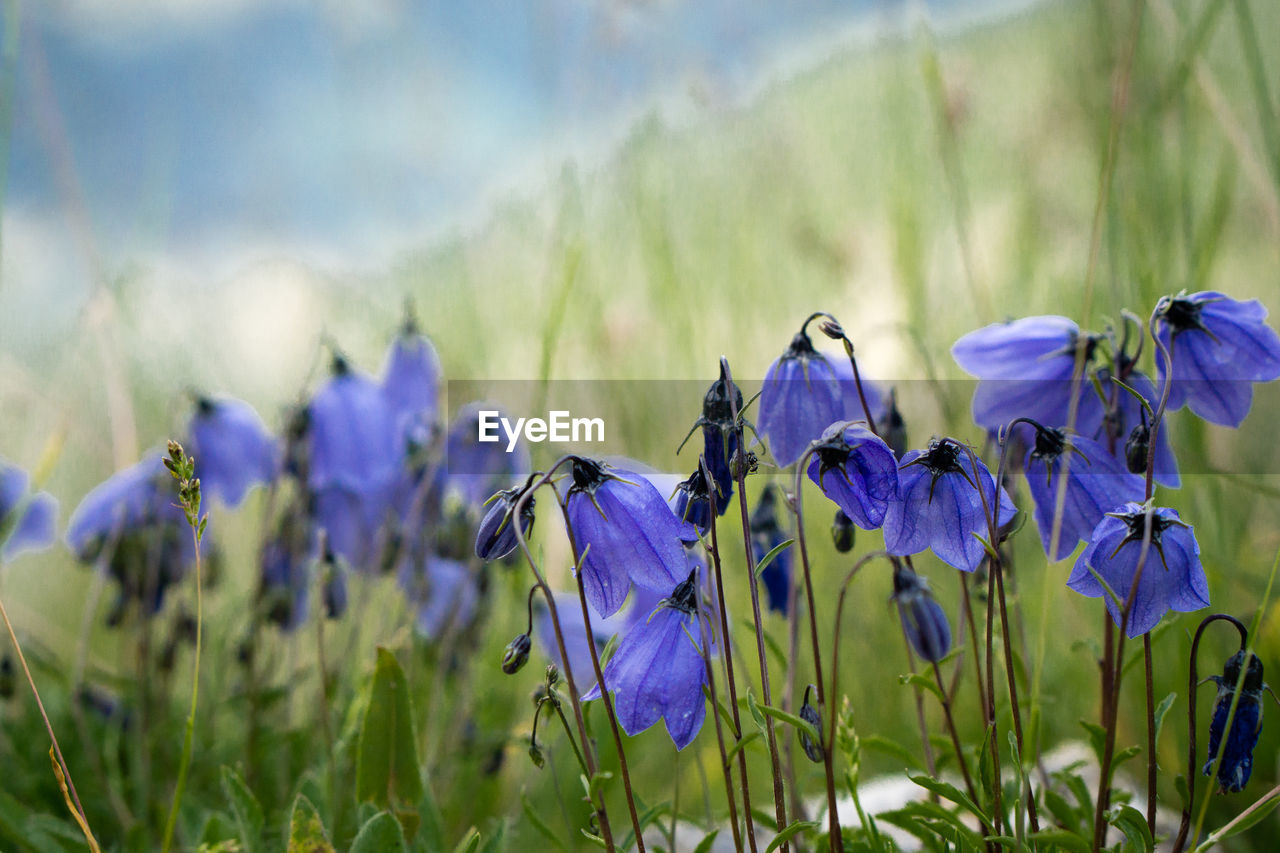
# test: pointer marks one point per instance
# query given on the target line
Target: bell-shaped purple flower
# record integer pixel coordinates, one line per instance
(767, 534)
(411, 384)
(233, 450)
(1097, 483)
(923, 620)
(443, 592)
(719, 436)
(136, 497)
(26, 521)
(353, 438)
(496, 535)
(1024, 368)
(799, 399)
(355, 526)
(695, 500)
(1237, 757)
(940, 508)
(1172, 577)
(856, 470)
(658, 671)
(1219, 347)
(626, 531)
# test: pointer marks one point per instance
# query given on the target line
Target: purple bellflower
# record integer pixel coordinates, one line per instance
(26, 521)
(800, 398)
(1219, 347)
(411, 384)
(1172, 577)
(856, 470)
(1237, 757)
(767, 534)
(352, 434)
(658, 671)
(233, 450)
(639, 607)
(695, 500)
(624, 532)
(1024, 368)
(923, 620)
(443, 593)
(939, 505)
(1097, 483)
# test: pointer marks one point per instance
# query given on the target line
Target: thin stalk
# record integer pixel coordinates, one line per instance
(602, 815)
(997, 789)
(779, 795)
(797, 506)
(955, 740)
(1151, 735)
(726, 766)
(733, 687)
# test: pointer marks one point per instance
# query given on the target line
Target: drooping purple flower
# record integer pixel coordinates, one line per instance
(411, 384)
(767, 534)
(1237, 757)
(1097, 483)
(940, 508)
(496, 535)
(353, 438)
(627, 532)
(1172, 577)
(1024, 368)
(26, 521)
(473, 470)
(233, 450)
(285, 578)
(695, 500)
(1219, 347)
(923, 620)
(658, 671)
(799, 399)
(856, 470)
(354, 525)
(443, 592)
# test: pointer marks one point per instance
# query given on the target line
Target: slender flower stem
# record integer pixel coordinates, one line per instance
(1151, 735)
(955, 740)
(602, 814)
(726, 766)
(797, 505)
(733, 687)
(973, 639)
(779, 795)
(605, 698)
(997, 788)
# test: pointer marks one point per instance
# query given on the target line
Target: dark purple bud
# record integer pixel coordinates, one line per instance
(842, 532)
(923, 620)
(813, 750)
(496, 536)
(1237, 756)
(1136, 449)
(517, 654)
(893, 429)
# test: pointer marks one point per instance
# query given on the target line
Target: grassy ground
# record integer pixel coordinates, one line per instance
(917, 187)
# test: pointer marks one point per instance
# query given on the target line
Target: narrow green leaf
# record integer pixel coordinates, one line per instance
(773, 553)
(704, 846)
(595, 839)
(1163, 708)
(245, 807)
(538, 823)
(917, 679)
(950, 792)
(1255, 817)
(792, 829)
(1062, 838)
(756, 713)
(791, 720)
(387, 772)
(306, 829)
(740, 745)
(469, 843)
(883, 744)
(380, 834)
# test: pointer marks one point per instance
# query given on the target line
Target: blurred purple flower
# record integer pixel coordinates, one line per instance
(26, 521)
(443, 592)
(353, 439)
(1219, 347)
(1172, 577)
(474, 470)
(767, 534)
(232, 448)
(411, 384)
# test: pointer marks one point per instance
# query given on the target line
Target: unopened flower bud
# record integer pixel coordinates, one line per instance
(923, 620)
(516, 654)
(1137, 448)
(842, 532)
(893, 429)
(535, 753)
(812, 749)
